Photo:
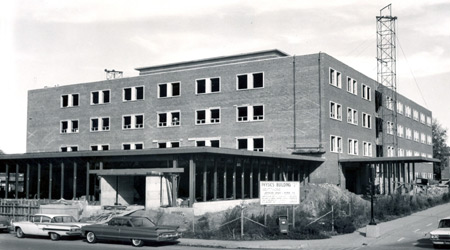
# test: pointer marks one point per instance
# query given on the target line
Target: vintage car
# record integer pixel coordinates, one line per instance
(130, 228)
(4, 224)
(53, 225)
(441, 235)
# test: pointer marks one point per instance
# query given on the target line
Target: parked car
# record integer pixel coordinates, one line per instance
(444, 183)
(130, 228)
(4, 224)
(53, 225)
(441, 236)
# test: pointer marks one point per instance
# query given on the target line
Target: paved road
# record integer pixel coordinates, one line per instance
(10, 242)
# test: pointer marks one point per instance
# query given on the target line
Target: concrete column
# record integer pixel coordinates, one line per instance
(153, 191)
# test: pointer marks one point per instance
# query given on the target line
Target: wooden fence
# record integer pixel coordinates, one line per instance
(18, 210)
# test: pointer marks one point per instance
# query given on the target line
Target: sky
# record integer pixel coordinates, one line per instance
(54, 42)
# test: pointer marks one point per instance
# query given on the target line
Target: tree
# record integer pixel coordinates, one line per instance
(1, 152)
(440, 149)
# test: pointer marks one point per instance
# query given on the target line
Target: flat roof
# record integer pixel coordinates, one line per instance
(413, 159)
(265, 54)
(157, 152)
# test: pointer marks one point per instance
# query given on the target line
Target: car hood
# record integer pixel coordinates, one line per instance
(441, 231)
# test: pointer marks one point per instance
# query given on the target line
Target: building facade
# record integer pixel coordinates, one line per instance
(268, 102)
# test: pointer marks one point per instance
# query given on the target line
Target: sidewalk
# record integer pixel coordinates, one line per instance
(354, 240)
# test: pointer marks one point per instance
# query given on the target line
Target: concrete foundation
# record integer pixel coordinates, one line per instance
(372, 231)
(113, 187)
(158, 192)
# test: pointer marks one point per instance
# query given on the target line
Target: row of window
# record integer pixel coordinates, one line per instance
(335, 79)
(352, 87)
(164, 90)
(407, 111)
(402, 152)
(167, 119)
(352, 115)
(352, 146)
(409, 134)
(244, 143)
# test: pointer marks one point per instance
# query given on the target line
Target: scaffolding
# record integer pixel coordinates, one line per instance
(387, 77)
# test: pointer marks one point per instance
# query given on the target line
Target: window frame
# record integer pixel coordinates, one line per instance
(334, 143)
(367, 149)
(250, 81)
(353, 146)
(366, 92)
(69, 129)
(338, 116)
(250, 143)
(354, 116)
(208, 113)
(208, 81)
(353, 87)
(169, 122)
(101, 97)
(250, 113)
(70, 100)
(133, 124)
(133, 93)
(132, 145)
(100, 124)
(337, 77)
(169, 91)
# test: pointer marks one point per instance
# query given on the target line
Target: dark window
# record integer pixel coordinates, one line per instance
(75, 98)
(162, 120)
(258, 81)
(162, 145)
(175, 144)
(215, 115)
(139, 93)
(74, 148)
(139, 121)
(215, 84)
(242, 143)
(175, 119)
(105, 147)
(63, 149)
(106, 96)
(378, 100)
(215, 143)
(242, 82)
(242, 113)
(200, 143)
(201, 116)
(258, 144)
(127, 122)
(94, 148)
(74, 126)
(201, 86)
(126, 146)
(65, 100)
(95, 99)
(176, 89)
(139, 146)
(94, 124)
(163, 90)
(64, 126)
(105, 122)
(127, 94)
(258, 113)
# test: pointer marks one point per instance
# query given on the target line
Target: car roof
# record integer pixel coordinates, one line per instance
(52, 215)
(446, 218)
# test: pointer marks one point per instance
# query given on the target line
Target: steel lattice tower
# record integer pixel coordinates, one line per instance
(386, 72)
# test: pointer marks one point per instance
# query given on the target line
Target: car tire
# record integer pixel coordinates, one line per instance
(436, 246)
(19, 233)
(137, 243)
(55, 236)
(90, 237)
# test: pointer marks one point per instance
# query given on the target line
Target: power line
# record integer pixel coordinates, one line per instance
(407, 63)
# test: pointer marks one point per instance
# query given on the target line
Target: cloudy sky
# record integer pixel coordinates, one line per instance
(48, 43)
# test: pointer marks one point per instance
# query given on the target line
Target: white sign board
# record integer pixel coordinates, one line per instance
(279, 192)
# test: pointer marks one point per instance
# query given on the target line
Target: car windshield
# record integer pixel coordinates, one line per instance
(142, 222)
(61, 219)
(444, 224)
